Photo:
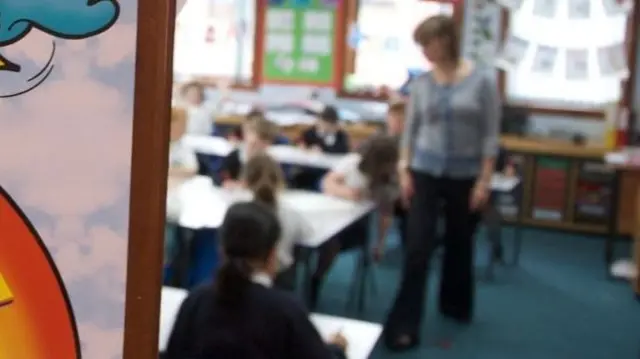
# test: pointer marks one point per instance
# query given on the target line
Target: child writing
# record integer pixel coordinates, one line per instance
(326, 135)
(366, 174)
(258, 134)
(182, 164)
(394, 128)
(241, 316)
(264, 177)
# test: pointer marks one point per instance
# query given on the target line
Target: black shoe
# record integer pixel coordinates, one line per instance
(453, 313)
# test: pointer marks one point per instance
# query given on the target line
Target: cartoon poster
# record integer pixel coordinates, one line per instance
(66, 115)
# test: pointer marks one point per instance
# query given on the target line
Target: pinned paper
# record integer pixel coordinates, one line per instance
(544, 60)
(512, 53)
(577, 64)
(6, 296)
(579, 9)
(510, 4)
(612, 61)
(545, 8)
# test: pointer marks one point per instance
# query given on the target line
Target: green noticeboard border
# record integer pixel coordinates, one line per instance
(298, 66)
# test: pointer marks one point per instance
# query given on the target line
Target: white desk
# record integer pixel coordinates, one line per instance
(291, 155)
(170, 303)
(203, 205)
(362, 336)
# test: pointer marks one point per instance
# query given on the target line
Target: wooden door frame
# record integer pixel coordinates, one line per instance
(153, 80)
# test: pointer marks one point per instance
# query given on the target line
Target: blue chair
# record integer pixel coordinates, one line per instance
(204, 257)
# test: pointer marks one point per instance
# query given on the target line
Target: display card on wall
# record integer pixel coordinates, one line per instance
(300, 42)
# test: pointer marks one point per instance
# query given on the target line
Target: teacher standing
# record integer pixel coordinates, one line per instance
(448, 152)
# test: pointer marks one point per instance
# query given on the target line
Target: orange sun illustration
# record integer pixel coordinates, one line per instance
(36, 319)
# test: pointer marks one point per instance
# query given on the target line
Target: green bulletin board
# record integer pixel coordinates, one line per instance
(299, 41)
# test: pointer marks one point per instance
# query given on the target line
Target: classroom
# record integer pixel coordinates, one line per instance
(455, 179)
(562, 204)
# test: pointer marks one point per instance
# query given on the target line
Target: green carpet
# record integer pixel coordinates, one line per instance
(556, 304)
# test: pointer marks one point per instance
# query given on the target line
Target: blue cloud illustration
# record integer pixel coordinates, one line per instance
(65, 19)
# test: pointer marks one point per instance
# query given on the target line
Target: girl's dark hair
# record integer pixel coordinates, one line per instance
(379, 159)
(248, 235)
(263, 176)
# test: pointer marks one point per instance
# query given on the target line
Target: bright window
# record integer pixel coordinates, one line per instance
(564, 56)
(380, 48)
(216, 39)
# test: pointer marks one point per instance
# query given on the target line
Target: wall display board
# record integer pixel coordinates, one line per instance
(593, 193)
(300, 41)
(510, 204)
(550, 189)
(382, 58)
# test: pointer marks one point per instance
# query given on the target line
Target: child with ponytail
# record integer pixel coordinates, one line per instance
(241, 316)
(264, 178)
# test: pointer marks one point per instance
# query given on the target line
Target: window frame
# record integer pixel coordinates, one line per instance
(349, 55)
(628, 85)
(256, 79)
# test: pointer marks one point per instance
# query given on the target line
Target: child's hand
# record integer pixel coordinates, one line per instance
(230, 184)
(354, 194)
(510, 171)
(339, 340)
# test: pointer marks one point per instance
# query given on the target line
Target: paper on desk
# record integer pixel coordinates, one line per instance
(361, 336)
(616, 158)
(502, 183)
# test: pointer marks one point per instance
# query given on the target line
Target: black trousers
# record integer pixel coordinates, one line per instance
(433, 195)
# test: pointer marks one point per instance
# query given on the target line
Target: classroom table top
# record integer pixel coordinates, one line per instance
(362, 336)
(204, 205)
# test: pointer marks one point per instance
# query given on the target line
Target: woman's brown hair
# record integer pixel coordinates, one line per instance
(439, 27)
(263, 176)
(379, 160)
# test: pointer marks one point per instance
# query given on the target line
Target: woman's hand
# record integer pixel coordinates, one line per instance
(339, 340)
(479, 196)
(406, 187)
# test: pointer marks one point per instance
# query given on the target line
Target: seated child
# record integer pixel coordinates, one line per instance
(264, 177)
(200, 112)
(241, 316)
(258, 136)
(182, 164)
(394, 128)
(235, 135)
(366, 174)
(326, 135)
